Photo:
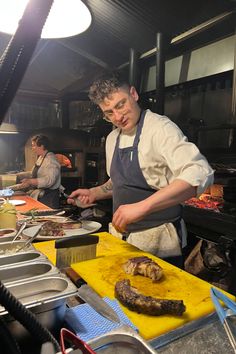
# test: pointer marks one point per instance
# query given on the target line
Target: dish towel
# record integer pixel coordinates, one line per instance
(88, 324)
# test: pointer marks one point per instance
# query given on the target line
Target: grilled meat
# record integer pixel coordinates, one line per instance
(143, 266)
(51, 228)
(71, 225)
(135, 301)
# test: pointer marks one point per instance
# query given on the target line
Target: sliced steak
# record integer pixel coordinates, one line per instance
(143, 266)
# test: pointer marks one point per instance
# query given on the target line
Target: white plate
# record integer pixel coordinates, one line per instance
(17, 202)
(87, 228)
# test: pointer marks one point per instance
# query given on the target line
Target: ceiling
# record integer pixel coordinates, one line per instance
(67, 66)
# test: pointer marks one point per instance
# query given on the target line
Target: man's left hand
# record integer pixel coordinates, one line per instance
(127, 214)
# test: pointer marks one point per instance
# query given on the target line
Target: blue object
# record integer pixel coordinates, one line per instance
(217, 295)
(8, 192)
(88, 324)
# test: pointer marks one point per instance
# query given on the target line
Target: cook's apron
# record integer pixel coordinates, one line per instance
(47, 196)
(158, 233)
(130, 186)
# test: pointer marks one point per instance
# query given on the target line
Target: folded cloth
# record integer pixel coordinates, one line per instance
(88, 324)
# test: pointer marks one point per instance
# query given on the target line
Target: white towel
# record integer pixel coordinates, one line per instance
(161, 241)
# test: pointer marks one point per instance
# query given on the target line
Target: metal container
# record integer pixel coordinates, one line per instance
(7, 248)
(45, 297)
(21, 257)
(121, 340)
(19, 272)
(6, 239)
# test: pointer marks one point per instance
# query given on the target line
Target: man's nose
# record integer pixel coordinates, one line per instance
(117, 115)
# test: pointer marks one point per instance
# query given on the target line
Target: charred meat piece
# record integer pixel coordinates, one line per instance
(51, 228)
(135, 301)
(143, 266)
(72, 225)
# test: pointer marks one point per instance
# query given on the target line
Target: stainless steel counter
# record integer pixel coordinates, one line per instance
(204, 336)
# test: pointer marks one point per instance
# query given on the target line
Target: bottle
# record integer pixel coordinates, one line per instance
(7, 215)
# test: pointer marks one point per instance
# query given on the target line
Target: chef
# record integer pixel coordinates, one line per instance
(43, 182)
(152, 168)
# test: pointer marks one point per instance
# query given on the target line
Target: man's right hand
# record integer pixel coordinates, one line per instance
(83, 196)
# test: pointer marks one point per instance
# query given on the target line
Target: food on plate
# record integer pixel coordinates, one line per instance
(135, 301)
(144, 266)
(5, 232)
(72, 225)
(39, 221)
(51, 228)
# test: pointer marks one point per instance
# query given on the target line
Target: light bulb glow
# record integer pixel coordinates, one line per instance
(66, 18)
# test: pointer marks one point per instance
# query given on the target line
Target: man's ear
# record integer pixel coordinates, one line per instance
(134, 93)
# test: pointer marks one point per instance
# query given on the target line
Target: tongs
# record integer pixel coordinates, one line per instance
(23, 226)
(30, 240)
(225, 313)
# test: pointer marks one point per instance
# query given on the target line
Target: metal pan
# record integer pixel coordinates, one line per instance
(16, 273)
(21, 257)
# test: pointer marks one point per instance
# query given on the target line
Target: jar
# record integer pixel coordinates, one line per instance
(7, 215)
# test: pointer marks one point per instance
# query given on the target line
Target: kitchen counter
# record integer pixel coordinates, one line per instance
(204, 336)
(30, 203)
(102, 273)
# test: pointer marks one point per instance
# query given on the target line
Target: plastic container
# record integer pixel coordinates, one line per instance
(7, 215)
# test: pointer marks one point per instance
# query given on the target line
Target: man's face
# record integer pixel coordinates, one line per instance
(121, 108)
(39, 150)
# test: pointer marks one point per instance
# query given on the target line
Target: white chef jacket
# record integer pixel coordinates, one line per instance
(49, 173)
(164, 153)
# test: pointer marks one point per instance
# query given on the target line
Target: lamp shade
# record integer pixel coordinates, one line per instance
(66, 18)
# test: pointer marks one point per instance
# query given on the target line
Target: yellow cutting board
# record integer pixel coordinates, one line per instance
(103, 272)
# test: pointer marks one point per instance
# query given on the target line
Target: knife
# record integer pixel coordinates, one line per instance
(87, 294)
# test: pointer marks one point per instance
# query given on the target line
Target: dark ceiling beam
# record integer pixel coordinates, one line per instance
(160, 73)
(38, 52)
(84, 54)
(234, 84)
(133, 68)
(192, 32)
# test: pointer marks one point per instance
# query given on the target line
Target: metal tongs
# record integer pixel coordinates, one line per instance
(19, 232)
(225, 314)
(30, 240)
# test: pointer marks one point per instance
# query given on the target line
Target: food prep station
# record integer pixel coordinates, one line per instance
(32, 277)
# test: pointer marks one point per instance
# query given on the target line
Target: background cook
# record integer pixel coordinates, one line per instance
(43, 182)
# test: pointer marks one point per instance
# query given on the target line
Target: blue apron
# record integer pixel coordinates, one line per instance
(130, 186)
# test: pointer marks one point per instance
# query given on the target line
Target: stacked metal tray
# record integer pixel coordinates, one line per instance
(37, 284)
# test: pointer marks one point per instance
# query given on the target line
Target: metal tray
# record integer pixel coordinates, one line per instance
(24, 271)
(121, 340)
(6, 239)
(7, 248)
(45, 297)
(21, 257)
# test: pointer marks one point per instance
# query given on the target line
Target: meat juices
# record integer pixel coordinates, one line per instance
(135, 301)
(144, 266)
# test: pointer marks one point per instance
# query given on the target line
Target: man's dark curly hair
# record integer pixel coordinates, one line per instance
(105, 85)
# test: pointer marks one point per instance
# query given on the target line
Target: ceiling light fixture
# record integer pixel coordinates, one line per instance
(66, 18)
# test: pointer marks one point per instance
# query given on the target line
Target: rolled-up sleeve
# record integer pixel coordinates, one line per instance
(184, 158)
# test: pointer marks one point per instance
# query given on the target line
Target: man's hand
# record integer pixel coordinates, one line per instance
(26, 183)
(127, 214)
(84, 196)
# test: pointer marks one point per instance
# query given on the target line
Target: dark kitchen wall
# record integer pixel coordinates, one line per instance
(198, 89)
(12, 156)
